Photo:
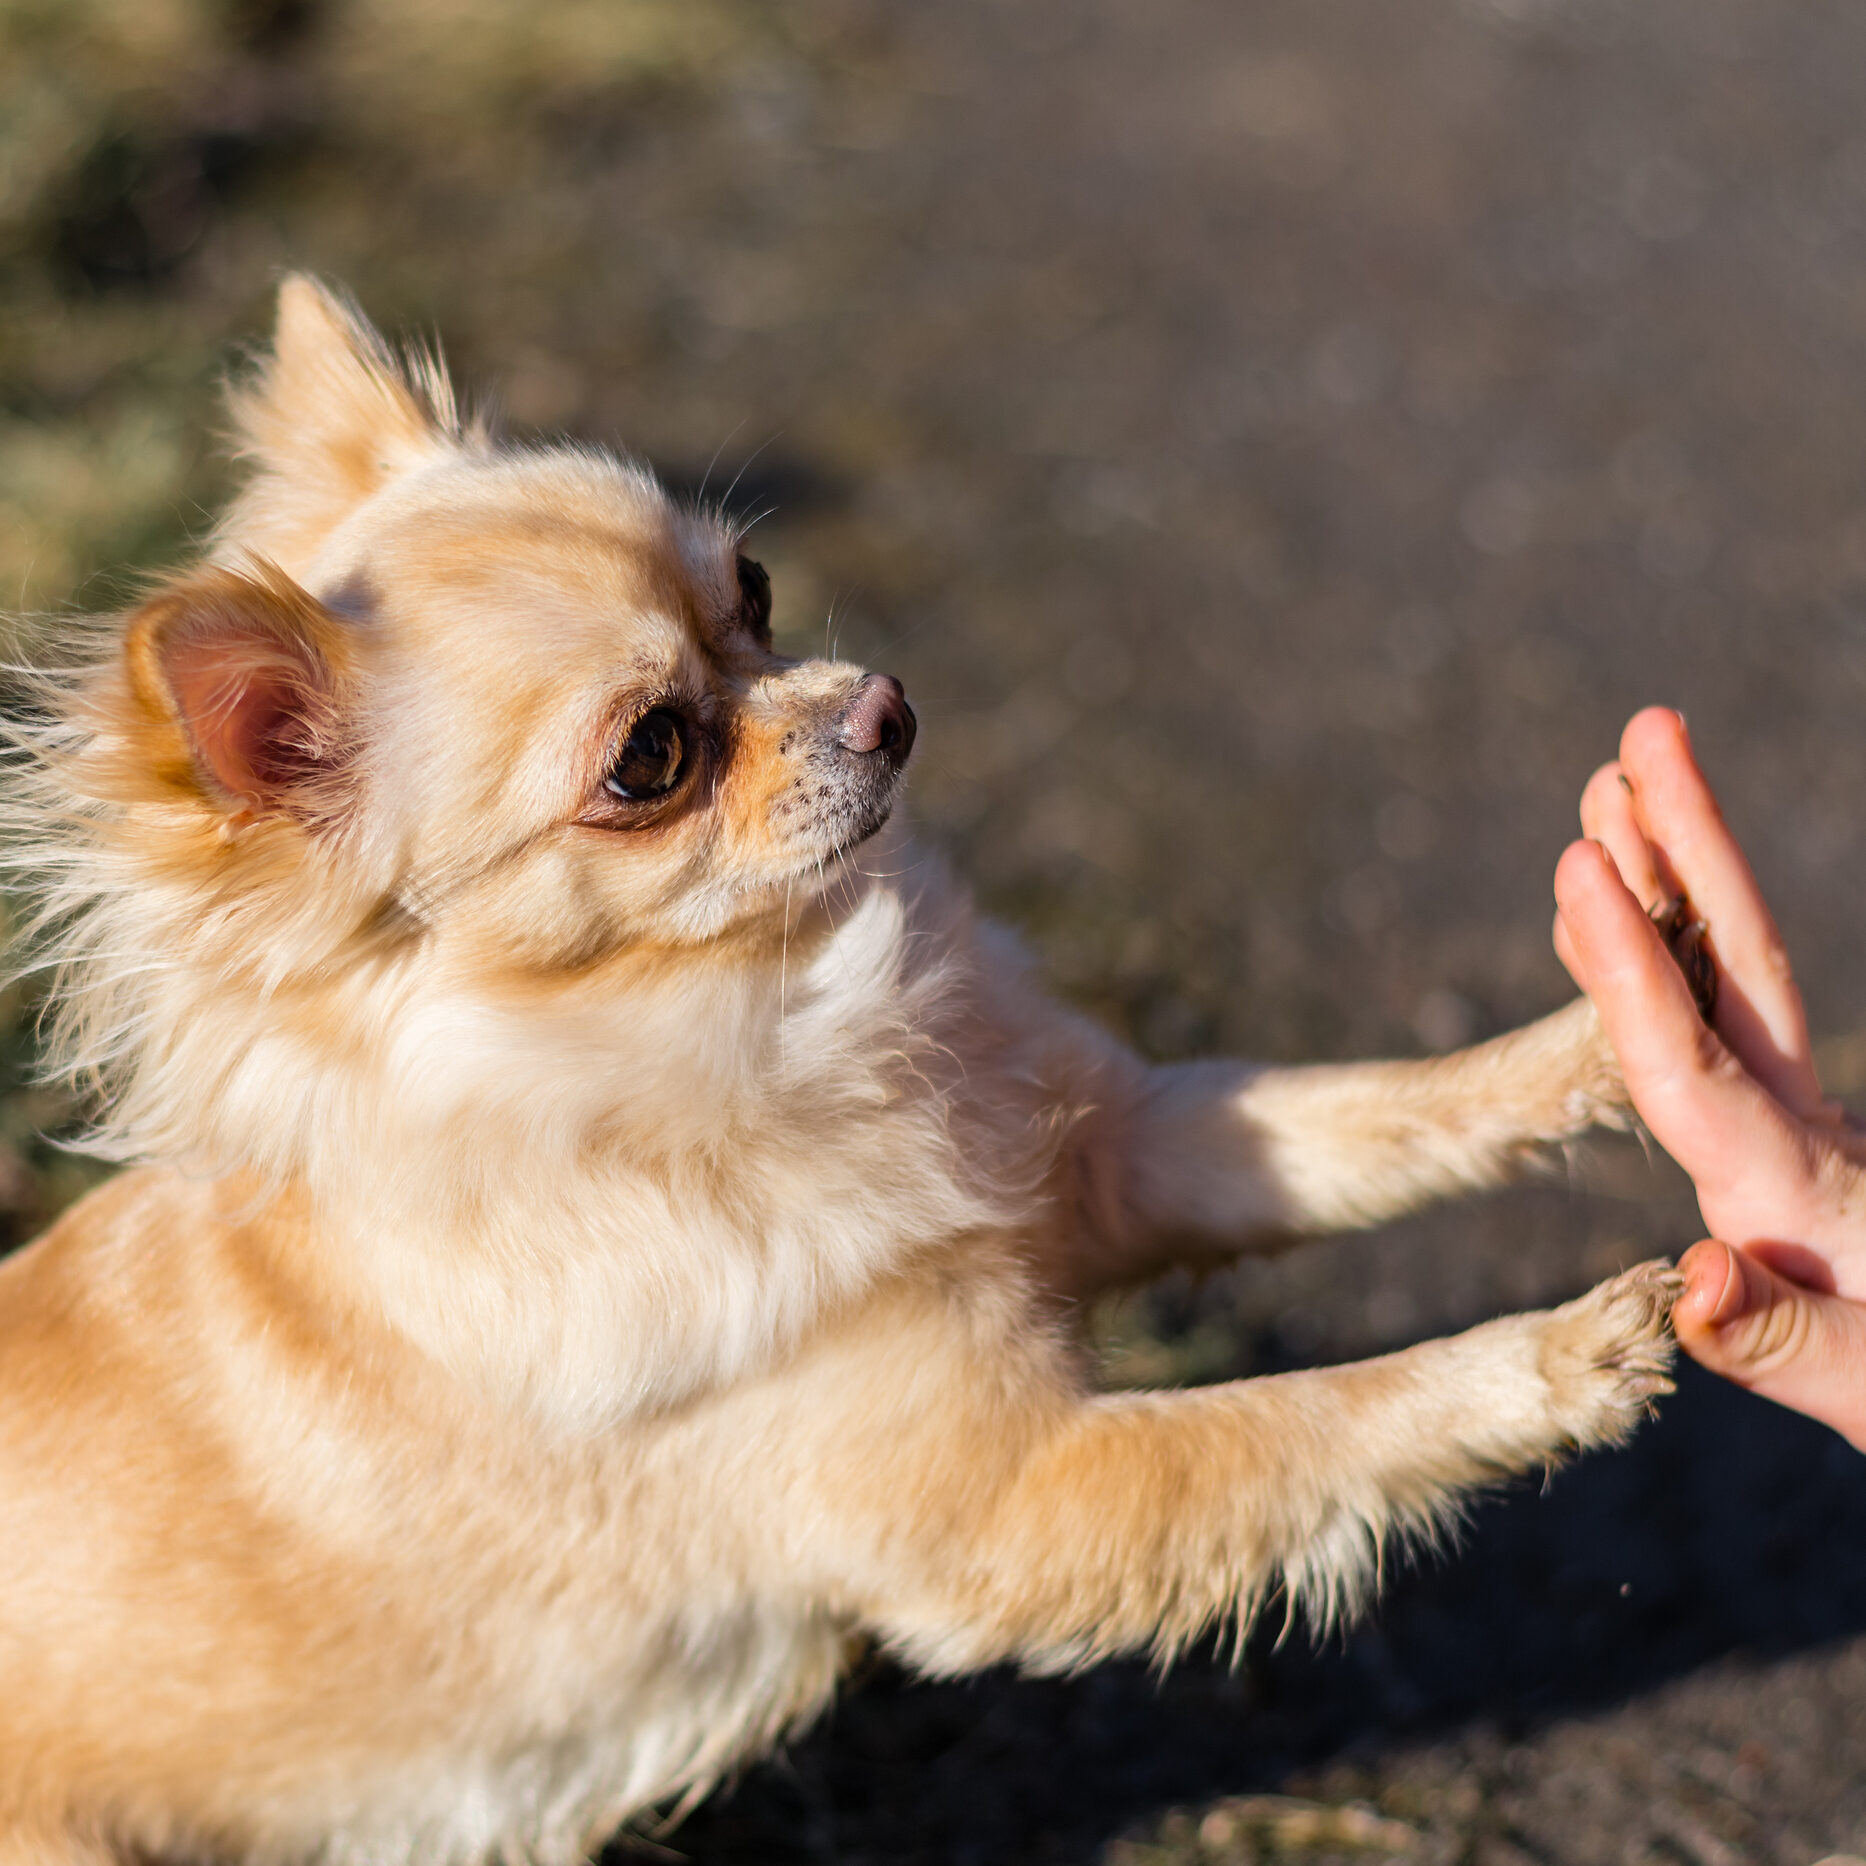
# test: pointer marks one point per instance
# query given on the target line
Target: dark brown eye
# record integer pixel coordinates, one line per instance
(755, 598)
(650, 761)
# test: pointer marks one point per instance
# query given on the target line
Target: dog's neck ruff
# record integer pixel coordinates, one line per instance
(593, 1202)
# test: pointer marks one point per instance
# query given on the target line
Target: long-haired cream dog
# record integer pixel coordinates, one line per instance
(599, 1244)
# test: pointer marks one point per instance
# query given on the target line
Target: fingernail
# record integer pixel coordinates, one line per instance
(1715, 1287)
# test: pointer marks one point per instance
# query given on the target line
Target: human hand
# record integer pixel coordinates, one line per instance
(1775, 1298)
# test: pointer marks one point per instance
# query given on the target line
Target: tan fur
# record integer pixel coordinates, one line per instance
(591, 1258)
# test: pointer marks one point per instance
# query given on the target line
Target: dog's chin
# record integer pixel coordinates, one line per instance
(826, 864)
(843, 831)
(865, 831)
(811, 876)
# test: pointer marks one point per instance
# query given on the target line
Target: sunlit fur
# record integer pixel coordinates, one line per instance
(585, 1261)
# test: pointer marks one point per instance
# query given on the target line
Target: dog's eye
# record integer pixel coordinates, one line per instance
(755, 599)
(650, 761)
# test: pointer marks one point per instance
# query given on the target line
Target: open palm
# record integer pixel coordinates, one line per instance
(1776, 1296)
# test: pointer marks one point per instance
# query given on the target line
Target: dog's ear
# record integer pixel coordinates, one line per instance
(250, 687)
(325, 420)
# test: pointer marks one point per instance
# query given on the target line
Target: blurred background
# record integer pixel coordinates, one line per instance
(1277, 445)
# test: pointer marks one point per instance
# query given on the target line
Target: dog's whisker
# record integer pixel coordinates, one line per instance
(725, 498)
(706, 477)
(885, 649)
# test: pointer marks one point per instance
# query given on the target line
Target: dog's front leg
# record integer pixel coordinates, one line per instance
(1136, 1521)
(1216, 1154)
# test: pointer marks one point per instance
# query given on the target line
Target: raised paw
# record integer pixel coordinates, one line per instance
(1603, 1085)
(1607, 1355)
(1566, 1062)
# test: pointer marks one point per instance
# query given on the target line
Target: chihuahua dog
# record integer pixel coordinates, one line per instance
(595, 1245)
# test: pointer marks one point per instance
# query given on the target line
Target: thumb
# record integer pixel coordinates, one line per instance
(1800, 1347)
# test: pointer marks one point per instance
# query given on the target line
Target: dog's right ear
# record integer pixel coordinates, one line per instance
(249, 686)
(326, 419)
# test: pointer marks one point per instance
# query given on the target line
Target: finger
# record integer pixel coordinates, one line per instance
(1801, 1347)
(1759, 1011)
(1565, 951)
(1717, 1121)
(1609, 818)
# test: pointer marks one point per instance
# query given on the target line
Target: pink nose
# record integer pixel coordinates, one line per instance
(879, 720)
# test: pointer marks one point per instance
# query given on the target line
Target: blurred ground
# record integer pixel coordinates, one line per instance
(1277, 445)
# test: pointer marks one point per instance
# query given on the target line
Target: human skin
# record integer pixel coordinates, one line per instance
(1775, 1296)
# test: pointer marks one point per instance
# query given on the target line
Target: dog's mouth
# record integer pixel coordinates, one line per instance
(860, 812)
(852, 777)
(865, 833)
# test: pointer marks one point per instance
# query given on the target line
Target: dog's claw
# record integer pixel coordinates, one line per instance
(1611, 1353)
(1683, 930)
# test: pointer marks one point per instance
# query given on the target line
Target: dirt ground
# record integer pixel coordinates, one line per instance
(1277, 445)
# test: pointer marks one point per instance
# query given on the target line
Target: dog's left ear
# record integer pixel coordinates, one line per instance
(327, 419)
(250, 686)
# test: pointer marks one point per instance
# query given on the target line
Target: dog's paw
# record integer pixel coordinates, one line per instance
(1607, 1355)
(1599, 1088)
(1563, 1074)
(1684, 932)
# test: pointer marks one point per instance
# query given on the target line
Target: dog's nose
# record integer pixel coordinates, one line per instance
(879, 720)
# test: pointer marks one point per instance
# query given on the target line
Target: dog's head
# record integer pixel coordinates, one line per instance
(452, 843)
(439, 722)
(460, 685)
